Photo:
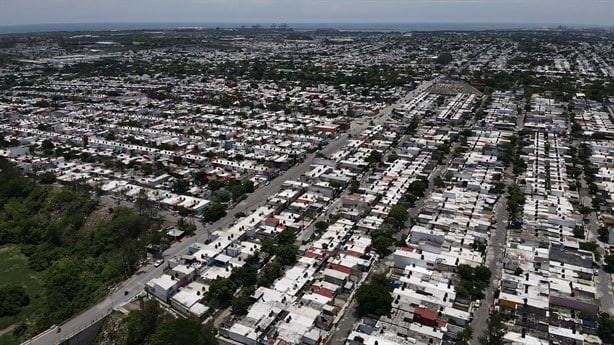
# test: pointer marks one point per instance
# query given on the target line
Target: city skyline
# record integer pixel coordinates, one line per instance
(26, 12)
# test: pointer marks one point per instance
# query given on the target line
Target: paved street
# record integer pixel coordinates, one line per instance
(495, 252)
(603, 282)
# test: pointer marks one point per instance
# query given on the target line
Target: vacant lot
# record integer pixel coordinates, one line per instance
(14, 269)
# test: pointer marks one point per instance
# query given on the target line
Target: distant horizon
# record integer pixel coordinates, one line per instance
(581, 13)
(306, 25)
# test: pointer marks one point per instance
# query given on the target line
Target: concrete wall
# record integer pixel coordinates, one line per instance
(87, 335)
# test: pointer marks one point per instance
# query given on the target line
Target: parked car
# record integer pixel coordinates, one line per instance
(159, 262)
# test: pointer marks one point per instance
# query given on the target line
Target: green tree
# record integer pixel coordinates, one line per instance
(439, 182)
(499, 187)
(186, 226)
(67, 288)
(236, 188)
(222, 291)
(444, 58)
(181, 186)
(47, 145)
(495, 330)
(375, 297)
(591, 246)
(411, 199)
(592, 188)
(604, 234)
(184, 331)
(473, 281)
(515, 202)
(597, 201)
(200, 178)
(246, 275)
(248, 186)
(42, 103)
(268, 246)
(12, 299)
(287, 236)
(141, 323)
(398, 213)
(214, 212)
(418, 187)
(240, 304)
(392, 157)
(321, 226)
(47, 177)
(465, 271)
(286, 254)
(354, 186)
(585, 211)
(215, 185)
(413, 125)
(381, 241)
(482, 273)
(605, 328)
(269, 273)
(374, 157)
(183, 212)
(465, 336)
(77, 261)
(221, 196)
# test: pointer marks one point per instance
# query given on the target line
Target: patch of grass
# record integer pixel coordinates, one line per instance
(9, 339)
(14, 269)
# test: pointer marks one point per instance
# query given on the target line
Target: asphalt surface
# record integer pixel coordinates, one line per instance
(495, 252)
(603, 281)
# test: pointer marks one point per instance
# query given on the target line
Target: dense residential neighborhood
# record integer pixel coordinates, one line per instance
(326, 187)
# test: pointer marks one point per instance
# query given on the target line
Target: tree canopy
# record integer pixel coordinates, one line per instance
(495, 330)
(78, 254)
(12, 299)
(184, 332)
(214, 212)
(374, 157)
(398, 215)
(142, 323)
(375, 296)
(605, 328)
(473, 281)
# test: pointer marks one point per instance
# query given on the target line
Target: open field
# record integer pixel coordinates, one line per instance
(14, 269)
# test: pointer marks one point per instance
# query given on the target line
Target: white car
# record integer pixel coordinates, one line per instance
(158, 262)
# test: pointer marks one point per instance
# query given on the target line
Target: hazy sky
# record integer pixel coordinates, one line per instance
(597, 12)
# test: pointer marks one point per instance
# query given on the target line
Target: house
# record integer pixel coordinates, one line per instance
(162, 287)
(188, 301)
(183, 274)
